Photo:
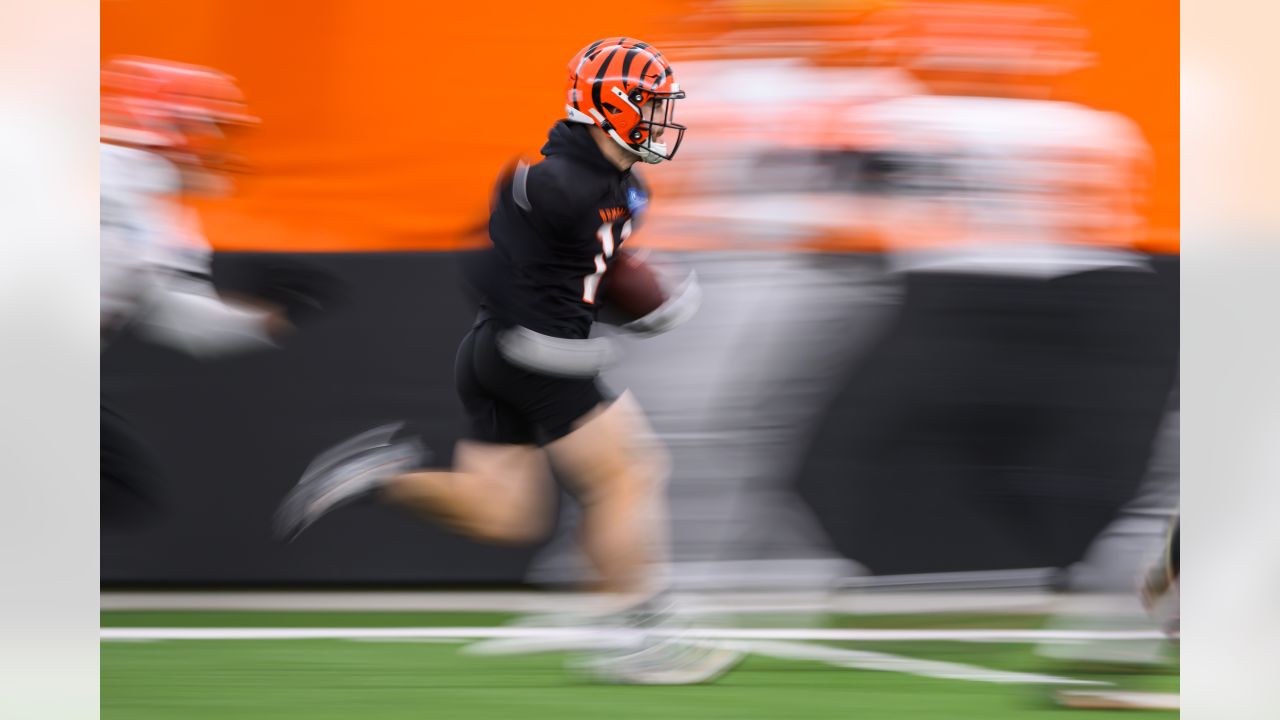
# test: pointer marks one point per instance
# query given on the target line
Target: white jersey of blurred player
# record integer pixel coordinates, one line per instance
(1008, 186)
(155, 262)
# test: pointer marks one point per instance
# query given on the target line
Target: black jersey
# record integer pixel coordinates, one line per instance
(555, 227)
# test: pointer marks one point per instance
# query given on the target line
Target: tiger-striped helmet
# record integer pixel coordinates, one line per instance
(627, 89)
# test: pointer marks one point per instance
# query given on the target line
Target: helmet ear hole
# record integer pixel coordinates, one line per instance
(613, 110)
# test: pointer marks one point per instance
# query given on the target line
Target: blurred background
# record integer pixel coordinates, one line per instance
(938, 243)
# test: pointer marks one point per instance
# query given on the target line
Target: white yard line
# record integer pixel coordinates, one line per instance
(1119, 700)
(778, 643)
(789, 650)
(569, 634)
(867, 660)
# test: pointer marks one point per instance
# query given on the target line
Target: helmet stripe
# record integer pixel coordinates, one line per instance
(596, 100)
(645, 69)
(666, 72)
(577, 72)
(587, 53)
(626, 65)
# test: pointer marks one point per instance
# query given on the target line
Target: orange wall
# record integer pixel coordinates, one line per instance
(1138, 75)
(385, 121)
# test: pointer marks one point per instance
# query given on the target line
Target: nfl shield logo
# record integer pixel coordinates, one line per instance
(636, 200)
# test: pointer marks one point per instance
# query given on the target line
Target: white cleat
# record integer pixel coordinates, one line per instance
(662, 661)
(656, 643)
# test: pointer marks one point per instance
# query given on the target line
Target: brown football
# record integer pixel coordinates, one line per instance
(631, 288)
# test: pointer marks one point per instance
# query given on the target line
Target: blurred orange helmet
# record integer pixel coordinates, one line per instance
(628, 89)
(173, 107)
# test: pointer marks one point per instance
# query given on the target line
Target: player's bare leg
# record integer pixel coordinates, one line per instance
(617, 468)
(501, 493)
(497, 493)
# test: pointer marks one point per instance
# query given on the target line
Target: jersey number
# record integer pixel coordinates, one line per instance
(591, 283)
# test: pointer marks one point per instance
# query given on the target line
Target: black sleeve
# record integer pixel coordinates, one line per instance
(546, 246)
(566, 213)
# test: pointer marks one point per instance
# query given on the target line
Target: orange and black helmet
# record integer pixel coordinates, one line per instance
(179, 109)
(627, 89)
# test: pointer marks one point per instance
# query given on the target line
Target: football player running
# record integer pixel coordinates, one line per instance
(527, 371)
(165, 130)
(163, 136)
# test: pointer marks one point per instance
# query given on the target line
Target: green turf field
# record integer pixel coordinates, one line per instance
(360, 679)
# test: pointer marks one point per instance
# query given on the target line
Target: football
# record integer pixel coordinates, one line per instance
(631, 288)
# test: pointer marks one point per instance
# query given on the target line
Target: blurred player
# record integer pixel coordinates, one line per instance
(1012, 215)
(1015, 214)
(527, 371)
(1160, 586)
(164, 135)
(1159, 591)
